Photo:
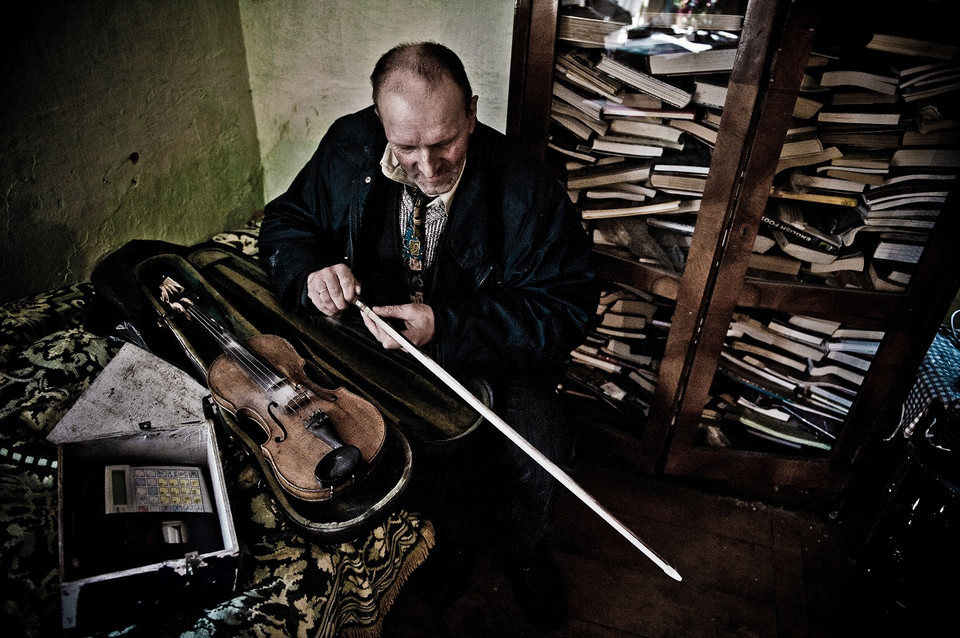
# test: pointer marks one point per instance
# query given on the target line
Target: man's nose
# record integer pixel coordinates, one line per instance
(428, 162)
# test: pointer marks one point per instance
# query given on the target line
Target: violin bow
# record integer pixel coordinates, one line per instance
(521, 442)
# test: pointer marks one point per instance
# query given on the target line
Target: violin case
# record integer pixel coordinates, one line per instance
(423, 417)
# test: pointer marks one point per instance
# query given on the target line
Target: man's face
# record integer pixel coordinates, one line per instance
(428, 130)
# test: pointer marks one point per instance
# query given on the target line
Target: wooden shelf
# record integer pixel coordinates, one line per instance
(776, 40)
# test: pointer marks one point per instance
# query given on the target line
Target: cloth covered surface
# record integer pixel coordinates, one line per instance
(938, 379)
(287, 585)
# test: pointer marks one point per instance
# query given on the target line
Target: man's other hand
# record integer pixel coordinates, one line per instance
(417, 321)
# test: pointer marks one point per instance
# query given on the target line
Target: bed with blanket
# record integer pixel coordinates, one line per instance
(287, 585)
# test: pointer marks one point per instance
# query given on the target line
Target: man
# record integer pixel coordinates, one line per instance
(491, 277)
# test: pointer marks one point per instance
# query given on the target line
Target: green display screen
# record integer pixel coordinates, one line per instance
(119, 480)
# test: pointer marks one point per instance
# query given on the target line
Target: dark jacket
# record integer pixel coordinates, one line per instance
(513, 288)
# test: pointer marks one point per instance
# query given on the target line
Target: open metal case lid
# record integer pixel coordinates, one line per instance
(136, 390)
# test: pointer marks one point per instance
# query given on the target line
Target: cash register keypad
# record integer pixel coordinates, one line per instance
(160, 489)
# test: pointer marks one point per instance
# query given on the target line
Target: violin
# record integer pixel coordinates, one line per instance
(318, 440)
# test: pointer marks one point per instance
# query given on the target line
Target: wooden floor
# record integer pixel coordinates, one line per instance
(748, 570)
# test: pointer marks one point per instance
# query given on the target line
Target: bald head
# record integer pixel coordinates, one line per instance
(431, 63)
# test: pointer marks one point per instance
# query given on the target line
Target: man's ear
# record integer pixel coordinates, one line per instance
(472, 111)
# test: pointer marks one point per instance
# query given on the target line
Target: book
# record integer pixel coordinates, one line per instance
(925, 92)
(575, 125)
(745, 325)
(884, 83)
(849, 258)
(782, 264)
(808, 159)
(577, 68)
(888, 250)
(593, 361)
(613, 111)
(876, 118)
(858, 333)
(709, 94)
(861, 346)
(556, 144)
(836, 371)
(587, 31)
(848, 359)
(629, 209)
(937, 115)
(791, 331)
(940, 137)
(620, 333)
(682, 227)
(626, 148)
(789, 220)
(887, 279)
(624, 191)
(874, 161)
(867, 177)
(907, 188)
(645, 129)
(801, 181)
(607, 174)
(589, 106)
(691, 20)
(806, 107)
(638, 100)
(929, 157)
(790, 193)
(818, 325)
(768, 353)
(715, 60)
(678, 183)
(701, 132)
(624, 351)
(863, 98)
(634, 307)
(644, 82)
(611, 319)
(912, 46)
(778, 430)
(862, 138)
(802, 140)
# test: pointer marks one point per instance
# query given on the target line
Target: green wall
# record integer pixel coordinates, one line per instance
(119, 120)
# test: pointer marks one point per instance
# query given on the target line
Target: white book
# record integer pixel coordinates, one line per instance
(796, 335)
(815, 324)
(848, 359)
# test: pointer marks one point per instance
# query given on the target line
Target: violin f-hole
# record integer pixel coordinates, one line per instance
(278, 439)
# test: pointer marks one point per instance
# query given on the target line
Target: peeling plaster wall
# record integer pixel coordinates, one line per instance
(310, 62)
(121, 119)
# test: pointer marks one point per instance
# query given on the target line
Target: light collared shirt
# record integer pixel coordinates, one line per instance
(438, 208)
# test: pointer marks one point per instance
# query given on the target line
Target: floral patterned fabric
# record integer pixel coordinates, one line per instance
(287, 584)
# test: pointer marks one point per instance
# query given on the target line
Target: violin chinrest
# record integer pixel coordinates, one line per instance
(338, 465)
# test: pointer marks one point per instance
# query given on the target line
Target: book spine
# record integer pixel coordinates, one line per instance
(802, 237)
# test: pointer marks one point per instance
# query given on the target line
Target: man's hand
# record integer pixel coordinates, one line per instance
(417, 320)
(333, 289)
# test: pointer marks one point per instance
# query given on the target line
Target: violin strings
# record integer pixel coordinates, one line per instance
(265, 377)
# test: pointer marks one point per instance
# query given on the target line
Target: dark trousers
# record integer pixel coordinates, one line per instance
(489, 495)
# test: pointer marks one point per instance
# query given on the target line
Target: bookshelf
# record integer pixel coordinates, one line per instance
(775, 44)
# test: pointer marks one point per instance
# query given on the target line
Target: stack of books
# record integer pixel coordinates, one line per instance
(788, 380)
(870, 159)
(619, 361)
(635, 122)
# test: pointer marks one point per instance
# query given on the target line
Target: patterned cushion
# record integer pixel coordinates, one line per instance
(287, 585)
